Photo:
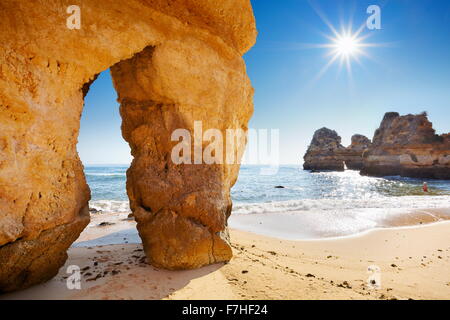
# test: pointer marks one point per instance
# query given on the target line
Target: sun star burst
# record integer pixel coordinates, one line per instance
(346, 45)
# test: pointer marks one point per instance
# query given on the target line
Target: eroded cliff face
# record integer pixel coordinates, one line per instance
(408, 146)
(194, 70)
(327, 153)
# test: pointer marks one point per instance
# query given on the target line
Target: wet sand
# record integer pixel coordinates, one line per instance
(319, 225)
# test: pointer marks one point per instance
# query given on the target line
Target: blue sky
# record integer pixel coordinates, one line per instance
(409, 72)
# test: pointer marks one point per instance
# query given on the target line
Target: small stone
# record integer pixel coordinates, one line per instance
(105, 223)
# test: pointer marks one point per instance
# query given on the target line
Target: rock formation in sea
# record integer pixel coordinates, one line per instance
(353, 155)
(322, 151)
(408, 146)
(173, 63)
(327, 153)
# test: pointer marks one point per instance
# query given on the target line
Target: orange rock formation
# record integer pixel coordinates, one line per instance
(172, 62)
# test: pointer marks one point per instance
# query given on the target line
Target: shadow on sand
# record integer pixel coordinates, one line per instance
(112, 269)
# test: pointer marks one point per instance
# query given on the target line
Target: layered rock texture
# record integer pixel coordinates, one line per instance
(353, 155)
(322, 152)
(174, 62)
(327, 153)
(181, 209)
(408, 146)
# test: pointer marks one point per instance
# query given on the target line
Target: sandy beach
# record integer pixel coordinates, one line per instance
(412, 263)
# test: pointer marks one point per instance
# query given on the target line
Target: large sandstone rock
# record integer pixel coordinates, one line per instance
(176, 61)
(321, 153)
(354, 152)
(181, 210)
(327, 153)
(408, 146)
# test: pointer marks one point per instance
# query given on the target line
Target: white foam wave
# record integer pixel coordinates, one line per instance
(407, 202)
(106, 174)
(110, 205)
(320, 205)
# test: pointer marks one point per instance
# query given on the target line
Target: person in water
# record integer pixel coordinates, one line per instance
(425, 187)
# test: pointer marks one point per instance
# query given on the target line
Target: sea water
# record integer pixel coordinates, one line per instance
(308, 206)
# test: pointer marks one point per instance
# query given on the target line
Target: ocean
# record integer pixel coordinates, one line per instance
(309, 206)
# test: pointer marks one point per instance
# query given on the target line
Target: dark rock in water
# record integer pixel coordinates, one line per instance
(408, 146)
(279, 187)
(326, 153)
(93, 210)
(105, 223)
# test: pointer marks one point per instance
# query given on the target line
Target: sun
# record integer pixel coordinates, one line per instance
(346, 45)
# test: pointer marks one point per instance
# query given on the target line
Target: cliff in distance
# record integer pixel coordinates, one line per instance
(405, 146)
(408, 146)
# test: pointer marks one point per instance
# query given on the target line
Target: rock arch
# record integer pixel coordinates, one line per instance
(172, 63)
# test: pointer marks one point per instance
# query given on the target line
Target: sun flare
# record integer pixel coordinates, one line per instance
(344, 48)
(346, 45)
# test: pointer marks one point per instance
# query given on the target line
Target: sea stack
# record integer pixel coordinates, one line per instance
(322, 153)
(353, 158)
(326, 153)
(173, 63)
(408, 146)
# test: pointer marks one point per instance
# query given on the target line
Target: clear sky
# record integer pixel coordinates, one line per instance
(407, 70)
